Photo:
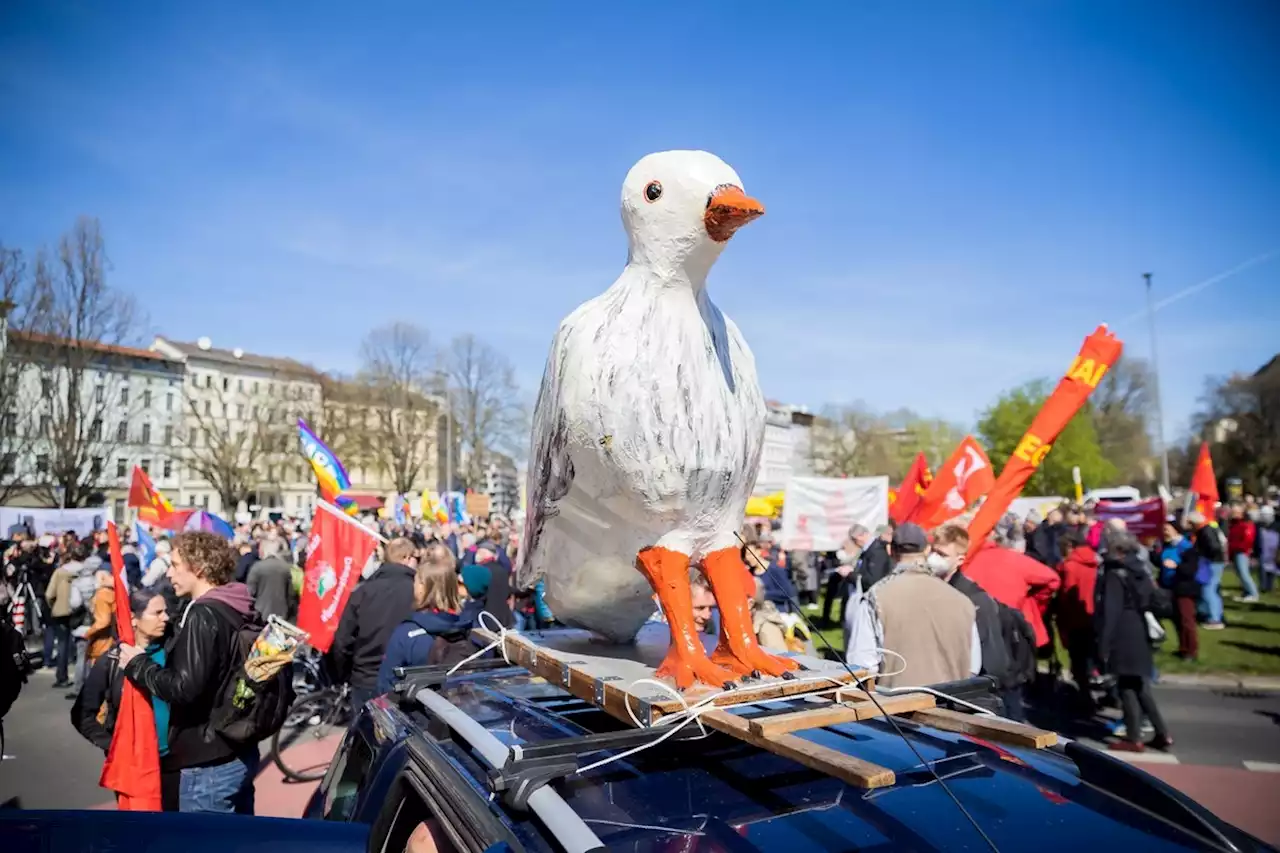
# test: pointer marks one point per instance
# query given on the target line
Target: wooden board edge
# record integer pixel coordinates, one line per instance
(990, 728)
(831, 715)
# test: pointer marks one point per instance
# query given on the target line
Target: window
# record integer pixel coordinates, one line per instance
(146, 433)
(240, 411)
(10, 423)
(146, 398)
(168, 436)
(208, 408)
(271, 389)
(46, 425)
(99, 394)
(255, 386)
(168, 468)
(42, 464)
(226, 383)
(299, 477)
(119, 510)
(145, 465)
(253, 413)
(208, 380)
(124, 396)
(240, 385)
(122, 431)
(95, 431)
(122, 467)
(8, 462)
(350, 769)
(46, 386)
(205, 501)
(168, 402)
(191, 439)
(195, 380)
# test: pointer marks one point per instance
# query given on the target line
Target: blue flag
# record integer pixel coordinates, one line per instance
(146, 545)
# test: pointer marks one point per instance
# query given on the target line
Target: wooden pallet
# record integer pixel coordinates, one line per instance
(604, 674)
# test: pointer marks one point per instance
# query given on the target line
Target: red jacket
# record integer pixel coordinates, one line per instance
(1015, 580)
(1079, 578)
(1240, 537)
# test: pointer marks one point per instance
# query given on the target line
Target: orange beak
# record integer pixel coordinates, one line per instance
(728, 209)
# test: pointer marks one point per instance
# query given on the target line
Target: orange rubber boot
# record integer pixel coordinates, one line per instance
(687, 661)
(733, 587)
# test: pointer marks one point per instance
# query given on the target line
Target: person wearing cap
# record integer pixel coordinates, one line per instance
(930, 626)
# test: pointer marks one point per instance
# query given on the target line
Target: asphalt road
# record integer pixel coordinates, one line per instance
(1227, 756)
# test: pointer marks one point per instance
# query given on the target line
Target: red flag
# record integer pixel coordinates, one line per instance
(1205, 484)
(912, 489)
(1100, 351)
(132, 768)
(336, 554)
(965, 477)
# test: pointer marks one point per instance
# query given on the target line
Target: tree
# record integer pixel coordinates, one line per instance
(850, 441)
(395, 415)
(237, 442)
(484, 400)
(1240, 417)
(74, 359)
(1120, 408)
(17, 404)
(1002, 426)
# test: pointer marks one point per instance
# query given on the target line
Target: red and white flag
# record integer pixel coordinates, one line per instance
(337, 552)
(965, 477)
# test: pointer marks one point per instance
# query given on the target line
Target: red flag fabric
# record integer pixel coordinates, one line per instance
(1100, 351)
(132, 768)
(336, 554)
(1205, 484)
(964, 478)
(153, 507)
(912, 489)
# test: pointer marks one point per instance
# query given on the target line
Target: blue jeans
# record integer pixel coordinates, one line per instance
(1212, 592)
(220, 789)
(1246, 576)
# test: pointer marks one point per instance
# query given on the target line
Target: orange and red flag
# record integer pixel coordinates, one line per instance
(153, 507)
(965, 477)
(912, 489)
(1100, 351)
(132, 768)
(1205, 484)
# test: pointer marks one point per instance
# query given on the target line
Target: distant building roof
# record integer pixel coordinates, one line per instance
(238, 358)
(1273, 364)
(93, 346)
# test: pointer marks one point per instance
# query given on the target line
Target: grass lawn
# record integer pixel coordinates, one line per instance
(1249, 645)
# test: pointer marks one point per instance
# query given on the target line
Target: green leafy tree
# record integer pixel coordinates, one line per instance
(1003, 425)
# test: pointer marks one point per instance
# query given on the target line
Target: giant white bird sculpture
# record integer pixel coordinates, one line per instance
(648, 430)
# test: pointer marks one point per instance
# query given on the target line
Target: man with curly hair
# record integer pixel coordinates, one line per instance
(216, 775)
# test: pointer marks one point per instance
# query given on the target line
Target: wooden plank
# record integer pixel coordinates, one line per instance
(990, 728)
(854, 771)
(833, 714)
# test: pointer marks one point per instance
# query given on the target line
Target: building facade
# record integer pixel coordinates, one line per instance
(786, 452)
(239, 436)
(502, 484)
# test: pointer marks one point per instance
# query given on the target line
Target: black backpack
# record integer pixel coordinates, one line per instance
(247, 711)
(15, 664)
(451, 649)
(1020, 641)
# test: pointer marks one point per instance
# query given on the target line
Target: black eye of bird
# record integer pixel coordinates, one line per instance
(653, 192)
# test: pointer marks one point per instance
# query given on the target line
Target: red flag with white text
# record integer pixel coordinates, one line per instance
(964, 478)
(132, 768)
(337, 552)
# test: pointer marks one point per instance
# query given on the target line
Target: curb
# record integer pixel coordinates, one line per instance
(1223, 680)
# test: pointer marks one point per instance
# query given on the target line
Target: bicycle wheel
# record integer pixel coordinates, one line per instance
(305, 744)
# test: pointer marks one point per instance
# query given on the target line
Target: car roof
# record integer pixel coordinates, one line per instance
(744, 798)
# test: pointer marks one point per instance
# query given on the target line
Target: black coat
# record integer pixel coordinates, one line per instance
(995, 656)
(1042, 545)
(1209, 544)
(375, 608)
(874, 563)
(1125, 594)
(103, 684)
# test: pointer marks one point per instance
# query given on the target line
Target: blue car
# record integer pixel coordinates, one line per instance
(490, 759)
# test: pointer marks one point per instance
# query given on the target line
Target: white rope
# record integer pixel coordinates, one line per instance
(500, 643)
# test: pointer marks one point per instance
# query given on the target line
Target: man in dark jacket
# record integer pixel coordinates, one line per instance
(1042, 545)
(271, 582)
(217, 775)
(375, 608)
(874, 563)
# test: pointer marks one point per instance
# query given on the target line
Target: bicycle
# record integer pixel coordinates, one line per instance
(320, 711)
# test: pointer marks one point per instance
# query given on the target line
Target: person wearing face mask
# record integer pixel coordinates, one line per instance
(950, 544)
(915, 613)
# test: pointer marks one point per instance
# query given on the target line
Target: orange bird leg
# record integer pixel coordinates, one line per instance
(733, 587)
(686, 661)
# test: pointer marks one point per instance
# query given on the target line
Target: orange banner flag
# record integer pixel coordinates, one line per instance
(965, 477)
(132, 768)
(912, 489)
(1205, 484)
(1100, 351)
(152, 506)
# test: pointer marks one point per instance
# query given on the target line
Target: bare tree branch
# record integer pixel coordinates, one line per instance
(485, 400)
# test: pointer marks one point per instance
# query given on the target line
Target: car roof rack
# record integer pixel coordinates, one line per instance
(411, 679)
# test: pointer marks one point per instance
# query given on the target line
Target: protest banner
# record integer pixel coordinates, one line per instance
(1098, 353)
(337, 551)
(1143, 519)
(818, 511)
(478, 505)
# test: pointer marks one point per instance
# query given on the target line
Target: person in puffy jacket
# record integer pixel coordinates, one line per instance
(439, 612)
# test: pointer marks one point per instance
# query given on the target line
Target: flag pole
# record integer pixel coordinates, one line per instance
(1155, 381)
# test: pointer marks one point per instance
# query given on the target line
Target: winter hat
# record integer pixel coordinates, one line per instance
(475, 578)
(909, 538)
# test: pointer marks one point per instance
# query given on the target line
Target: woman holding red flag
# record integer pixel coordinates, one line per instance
(96, 706)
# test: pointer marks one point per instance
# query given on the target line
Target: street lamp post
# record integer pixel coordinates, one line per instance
(1155, 380)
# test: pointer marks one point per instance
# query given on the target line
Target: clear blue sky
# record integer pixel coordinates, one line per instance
(957, 192)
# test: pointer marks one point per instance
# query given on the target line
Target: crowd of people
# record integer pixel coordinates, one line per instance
(917, 607)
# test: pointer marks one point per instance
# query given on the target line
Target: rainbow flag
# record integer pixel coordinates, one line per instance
(330, 474)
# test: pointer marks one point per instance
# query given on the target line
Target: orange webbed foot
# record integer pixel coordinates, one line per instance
(733, 587)
(686, 662)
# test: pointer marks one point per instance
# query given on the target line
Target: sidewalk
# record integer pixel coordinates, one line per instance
(1223, 680)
